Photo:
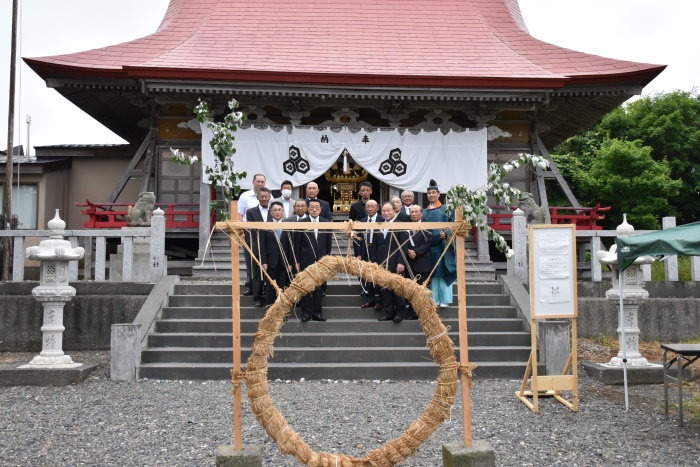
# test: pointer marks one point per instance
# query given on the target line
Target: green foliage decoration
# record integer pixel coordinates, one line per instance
(222, 173)
(473, 202)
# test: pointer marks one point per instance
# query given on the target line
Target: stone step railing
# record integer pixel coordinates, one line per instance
(95, 244)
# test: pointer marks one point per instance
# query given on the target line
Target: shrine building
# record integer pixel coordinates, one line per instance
(367, 67)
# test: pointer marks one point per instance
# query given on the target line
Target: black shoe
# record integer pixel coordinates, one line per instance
(385, 318)
(411, 317)
(318, 318)
(248, 292)
(367, 305)
(398, 318)
(258, 304)
(305, 318)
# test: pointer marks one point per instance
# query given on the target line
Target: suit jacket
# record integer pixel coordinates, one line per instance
(357, 211)
(402, 217)
(256, 238)
(273, 252)
(291, 204)
(389, 252)
(362, 247)
(419, 241)
(325, 208)
(307, 248)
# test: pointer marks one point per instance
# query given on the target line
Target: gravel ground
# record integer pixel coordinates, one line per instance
(181, 423)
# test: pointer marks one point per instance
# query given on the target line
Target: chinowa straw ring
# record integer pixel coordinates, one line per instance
(441, 348)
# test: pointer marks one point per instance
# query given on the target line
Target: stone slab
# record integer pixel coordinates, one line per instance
(249, 456)
(635, 375)
(481, 454)
(13, 375)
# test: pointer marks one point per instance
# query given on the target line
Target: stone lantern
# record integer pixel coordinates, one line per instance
(633, 295)
(54, 292)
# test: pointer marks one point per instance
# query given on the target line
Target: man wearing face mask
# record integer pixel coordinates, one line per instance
(286, 198)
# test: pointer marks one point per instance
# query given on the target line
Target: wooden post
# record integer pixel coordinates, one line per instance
(463, 340)
(236, 318)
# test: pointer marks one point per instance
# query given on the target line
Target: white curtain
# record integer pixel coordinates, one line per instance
(404, 161)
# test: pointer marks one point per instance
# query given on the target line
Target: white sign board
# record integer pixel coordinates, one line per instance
(553, 271)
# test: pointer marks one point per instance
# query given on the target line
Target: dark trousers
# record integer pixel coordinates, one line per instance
(279, 275)
(248, 268)
(392, 303)
(312, 304)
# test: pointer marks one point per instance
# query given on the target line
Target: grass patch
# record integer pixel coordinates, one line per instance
(606, 341)
(658, 272)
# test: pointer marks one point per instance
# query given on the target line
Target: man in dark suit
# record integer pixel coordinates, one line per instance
(275, 254)
(357, 209)
(399, 214)
(418, 252)
(391, 257)
(311, 194)
(300, 209)
(309, 247)
(365, 249)
(259, 213)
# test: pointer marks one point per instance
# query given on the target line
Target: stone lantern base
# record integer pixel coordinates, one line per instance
(33, 375)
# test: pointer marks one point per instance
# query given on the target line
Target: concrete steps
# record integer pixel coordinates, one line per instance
(192, 339)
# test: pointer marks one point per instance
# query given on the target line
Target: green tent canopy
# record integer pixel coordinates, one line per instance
(681, 240)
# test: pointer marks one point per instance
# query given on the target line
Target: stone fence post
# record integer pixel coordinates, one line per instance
(519, 261)
(671, 263)
(158, 262)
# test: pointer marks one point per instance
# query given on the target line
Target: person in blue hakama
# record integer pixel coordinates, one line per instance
(446, 271)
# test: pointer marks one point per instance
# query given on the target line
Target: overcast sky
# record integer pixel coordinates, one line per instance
(648, 31)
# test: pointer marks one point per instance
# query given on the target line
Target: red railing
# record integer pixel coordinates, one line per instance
(184, 215)
(113, 215)
(584, 218)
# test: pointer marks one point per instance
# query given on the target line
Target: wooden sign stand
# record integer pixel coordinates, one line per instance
(552, 295)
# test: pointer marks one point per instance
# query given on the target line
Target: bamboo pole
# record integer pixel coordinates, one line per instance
(236, 318)
(463, 339)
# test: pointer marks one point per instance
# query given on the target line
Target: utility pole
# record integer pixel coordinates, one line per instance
(7, 193)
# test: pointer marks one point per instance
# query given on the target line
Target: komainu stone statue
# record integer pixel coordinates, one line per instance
(534, 214)
(140, 213)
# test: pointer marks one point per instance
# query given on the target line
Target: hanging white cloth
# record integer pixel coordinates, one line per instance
(404, 161)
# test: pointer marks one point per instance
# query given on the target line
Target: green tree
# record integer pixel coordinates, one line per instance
(669, 124)
(624, 175)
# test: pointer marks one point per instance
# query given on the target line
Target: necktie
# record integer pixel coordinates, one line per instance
(315, 230)
(278, 232)
(371, 232)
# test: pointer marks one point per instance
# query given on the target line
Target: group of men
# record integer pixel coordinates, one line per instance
(283, 253)
(279, 252)
(398, 251)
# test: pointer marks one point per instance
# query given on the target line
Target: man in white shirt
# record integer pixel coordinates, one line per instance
(407, 199)
(249, 199)
(286, 198)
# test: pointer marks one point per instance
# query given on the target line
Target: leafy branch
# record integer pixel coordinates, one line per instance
(473, 202)
(222, 173)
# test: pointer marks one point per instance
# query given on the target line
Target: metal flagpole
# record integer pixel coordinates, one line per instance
(623, 344)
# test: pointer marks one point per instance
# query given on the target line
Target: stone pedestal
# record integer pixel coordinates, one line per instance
(479, 455)
(249, 456)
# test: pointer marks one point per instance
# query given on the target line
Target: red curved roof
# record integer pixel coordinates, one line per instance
(453, 43)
